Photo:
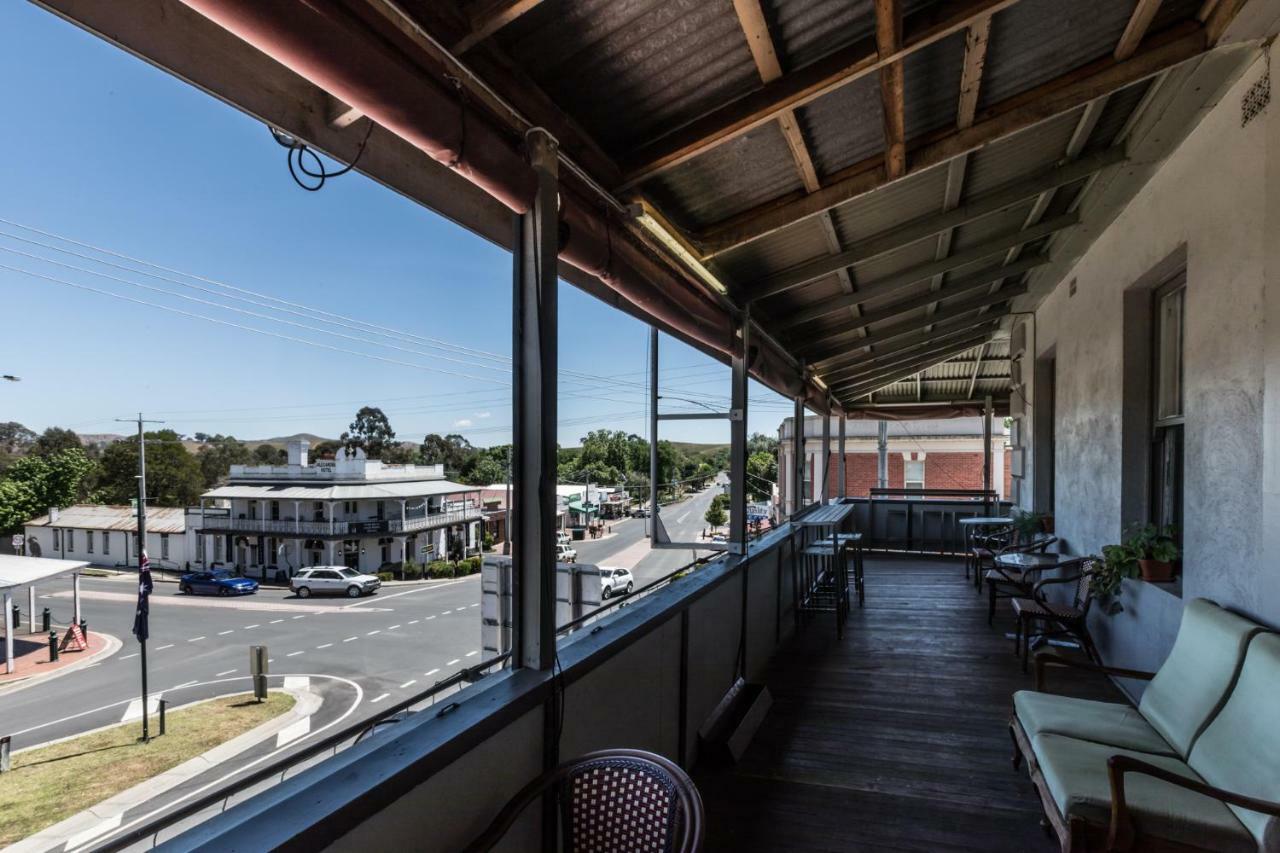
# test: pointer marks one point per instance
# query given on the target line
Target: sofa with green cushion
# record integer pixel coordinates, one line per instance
(1195, 766)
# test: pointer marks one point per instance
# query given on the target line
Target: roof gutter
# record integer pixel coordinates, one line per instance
(328, 44)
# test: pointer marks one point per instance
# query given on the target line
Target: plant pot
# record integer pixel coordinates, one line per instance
(1156, 570)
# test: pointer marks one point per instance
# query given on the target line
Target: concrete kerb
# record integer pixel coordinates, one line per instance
(113, 645)
(99, 819)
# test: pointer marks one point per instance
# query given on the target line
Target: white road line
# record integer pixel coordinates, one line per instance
(428, 618)
(476, 605)
(274, 621)
(324, 646)
(452, 662)
(293, 731)
(184, 684)
(432, 672)
(126, 657)
(378, 699)
(195, 639)
(303, 616)
(294, 654)
(247, 627)
(413, 621)
(162, 648)
(223, 633)
(224, 672)
(408, 683)
(375, 631)
(349, 639)
(446, 613)
(393, 627)
(472, 653)
(271, 660)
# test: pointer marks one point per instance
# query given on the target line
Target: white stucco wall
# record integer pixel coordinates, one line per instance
(1218, 195)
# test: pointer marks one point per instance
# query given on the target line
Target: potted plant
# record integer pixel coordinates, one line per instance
(1118, 562)
(1155, 550)
(1027, 525)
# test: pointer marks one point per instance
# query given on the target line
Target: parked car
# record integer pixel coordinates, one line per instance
(333, 580)
(562, 538)
(217, 582)
(565, 554)
(615, 581)
(640, 512)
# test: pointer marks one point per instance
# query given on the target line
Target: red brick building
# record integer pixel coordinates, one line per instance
(936, 454)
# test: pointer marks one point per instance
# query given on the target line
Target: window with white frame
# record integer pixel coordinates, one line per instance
(164, 546)
(106, 542)
(913, 474)
(88, 541)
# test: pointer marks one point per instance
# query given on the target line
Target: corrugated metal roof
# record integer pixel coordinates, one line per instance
(104, 517)
(341, 492)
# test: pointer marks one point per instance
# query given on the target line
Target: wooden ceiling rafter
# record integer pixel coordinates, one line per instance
(892, 86)
(999, 121)
(1136, 29)
(489, 18)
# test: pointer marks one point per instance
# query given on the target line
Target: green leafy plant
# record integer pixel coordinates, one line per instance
(1150, 542)
(1118, 562)
(1028, 524)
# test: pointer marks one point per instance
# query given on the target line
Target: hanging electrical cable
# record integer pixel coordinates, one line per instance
(298, 150)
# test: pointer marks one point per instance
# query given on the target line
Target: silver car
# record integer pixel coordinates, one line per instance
(333, 580)
(615, 582)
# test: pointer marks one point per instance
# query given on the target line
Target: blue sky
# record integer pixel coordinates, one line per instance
(110, 152)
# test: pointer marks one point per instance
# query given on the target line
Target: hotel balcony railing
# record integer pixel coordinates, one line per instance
(286, 526)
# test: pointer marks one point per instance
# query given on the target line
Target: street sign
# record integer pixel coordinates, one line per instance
(76, 636)
(17, 541)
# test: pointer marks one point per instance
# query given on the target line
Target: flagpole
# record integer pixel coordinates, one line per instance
(141, 627)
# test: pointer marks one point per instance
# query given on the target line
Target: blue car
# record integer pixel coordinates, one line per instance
(217, 582)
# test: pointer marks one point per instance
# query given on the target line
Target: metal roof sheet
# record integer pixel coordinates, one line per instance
(160, 519)
(341, 492)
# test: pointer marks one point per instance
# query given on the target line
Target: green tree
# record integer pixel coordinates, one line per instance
(35, 483)
(715, 515)
(451, 450)
(325, 450)
(399, 453)
(269, 454)
(370, 431)
(483, 470)
(761, 443)
(762, 473)
(174, 477)
(54, 440)
(218, 454)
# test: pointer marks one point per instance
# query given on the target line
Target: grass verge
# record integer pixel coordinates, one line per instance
(51, 783)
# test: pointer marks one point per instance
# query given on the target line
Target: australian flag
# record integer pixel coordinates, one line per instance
(141, 630)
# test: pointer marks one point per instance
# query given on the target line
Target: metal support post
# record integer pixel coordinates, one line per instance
(820, 479)
(738, 444)
(8, 632)
(31, 608)
(986, 449)
(842, 488)
(797, 457)
(882, 456)
(534, 331)
(653, 434)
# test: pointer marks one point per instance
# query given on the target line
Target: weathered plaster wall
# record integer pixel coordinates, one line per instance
(1215, 195)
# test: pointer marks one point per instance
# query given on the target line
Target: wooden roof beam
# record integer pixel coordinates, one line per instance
(975, 62)
(1066, 93)
(490, 18)
(903, 235)
(924, 272)
(798, 88)
(892, 86)
(1139, 22)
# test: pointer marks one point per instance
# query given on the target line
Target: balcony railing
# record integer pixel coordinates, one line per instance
(286, 526)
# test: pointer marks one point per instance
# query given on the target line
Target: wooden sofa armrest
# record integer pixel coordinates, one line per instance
(1121, 836)
(1044, 660)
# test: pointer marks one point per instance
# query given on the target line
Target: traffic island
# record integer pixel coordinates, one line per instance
(48, 784)
(32, 660)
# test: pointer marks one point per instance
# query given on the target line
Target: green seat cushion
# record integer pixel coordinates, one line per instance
(1240, 750)
(1113, 724)
(1194, 680)
(1075, 773)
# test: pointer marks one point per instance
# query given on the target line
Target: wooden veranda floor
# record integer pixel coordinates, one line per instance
(894, 738)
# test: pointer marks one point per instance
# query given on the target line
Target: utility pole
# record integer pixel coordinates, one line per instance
(142, 552)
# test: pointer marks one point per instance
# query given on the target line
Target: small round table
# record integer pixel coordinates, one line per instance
(970, 525)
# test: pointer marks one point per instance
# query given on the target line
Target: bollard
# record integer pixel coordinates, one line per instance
(4, 754)
(163, 703)
(53, 646)
(84, 631)
(17, 616)
(47, 619)
(258, 670)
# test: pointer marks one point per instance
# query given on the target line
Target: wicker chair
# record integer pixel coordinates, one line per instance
(613, 800)
(1059, 619)
(1007, 583)
(983, 547)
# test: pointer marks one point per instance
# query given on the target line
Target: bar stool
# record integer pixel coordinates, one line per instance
(853, 543)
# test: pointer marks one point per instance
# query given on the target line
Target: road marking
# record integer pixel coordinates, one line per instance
(274, 621)
(294, 654)
(134, 710)
(681, 519)
(376, 631)
(381, 596)
(223, 633)
(452, 662)
(325, 646)
(162, 648)
(184, 684)
(224, 672)
(429, 618)
(413, 621)
(126, 657)
(349, 639)
(409, 683)
(247, 627)
(476, 605)
(472, 653)
(195, 639)
(378, 699)
(393, 627)
(446, 613)
(303, 616)
(432, 672)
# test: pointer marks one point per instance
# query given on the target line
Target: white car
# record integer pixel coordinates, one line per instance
(615, 582)
(333, 580)
(562, 538)
(565, 554)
